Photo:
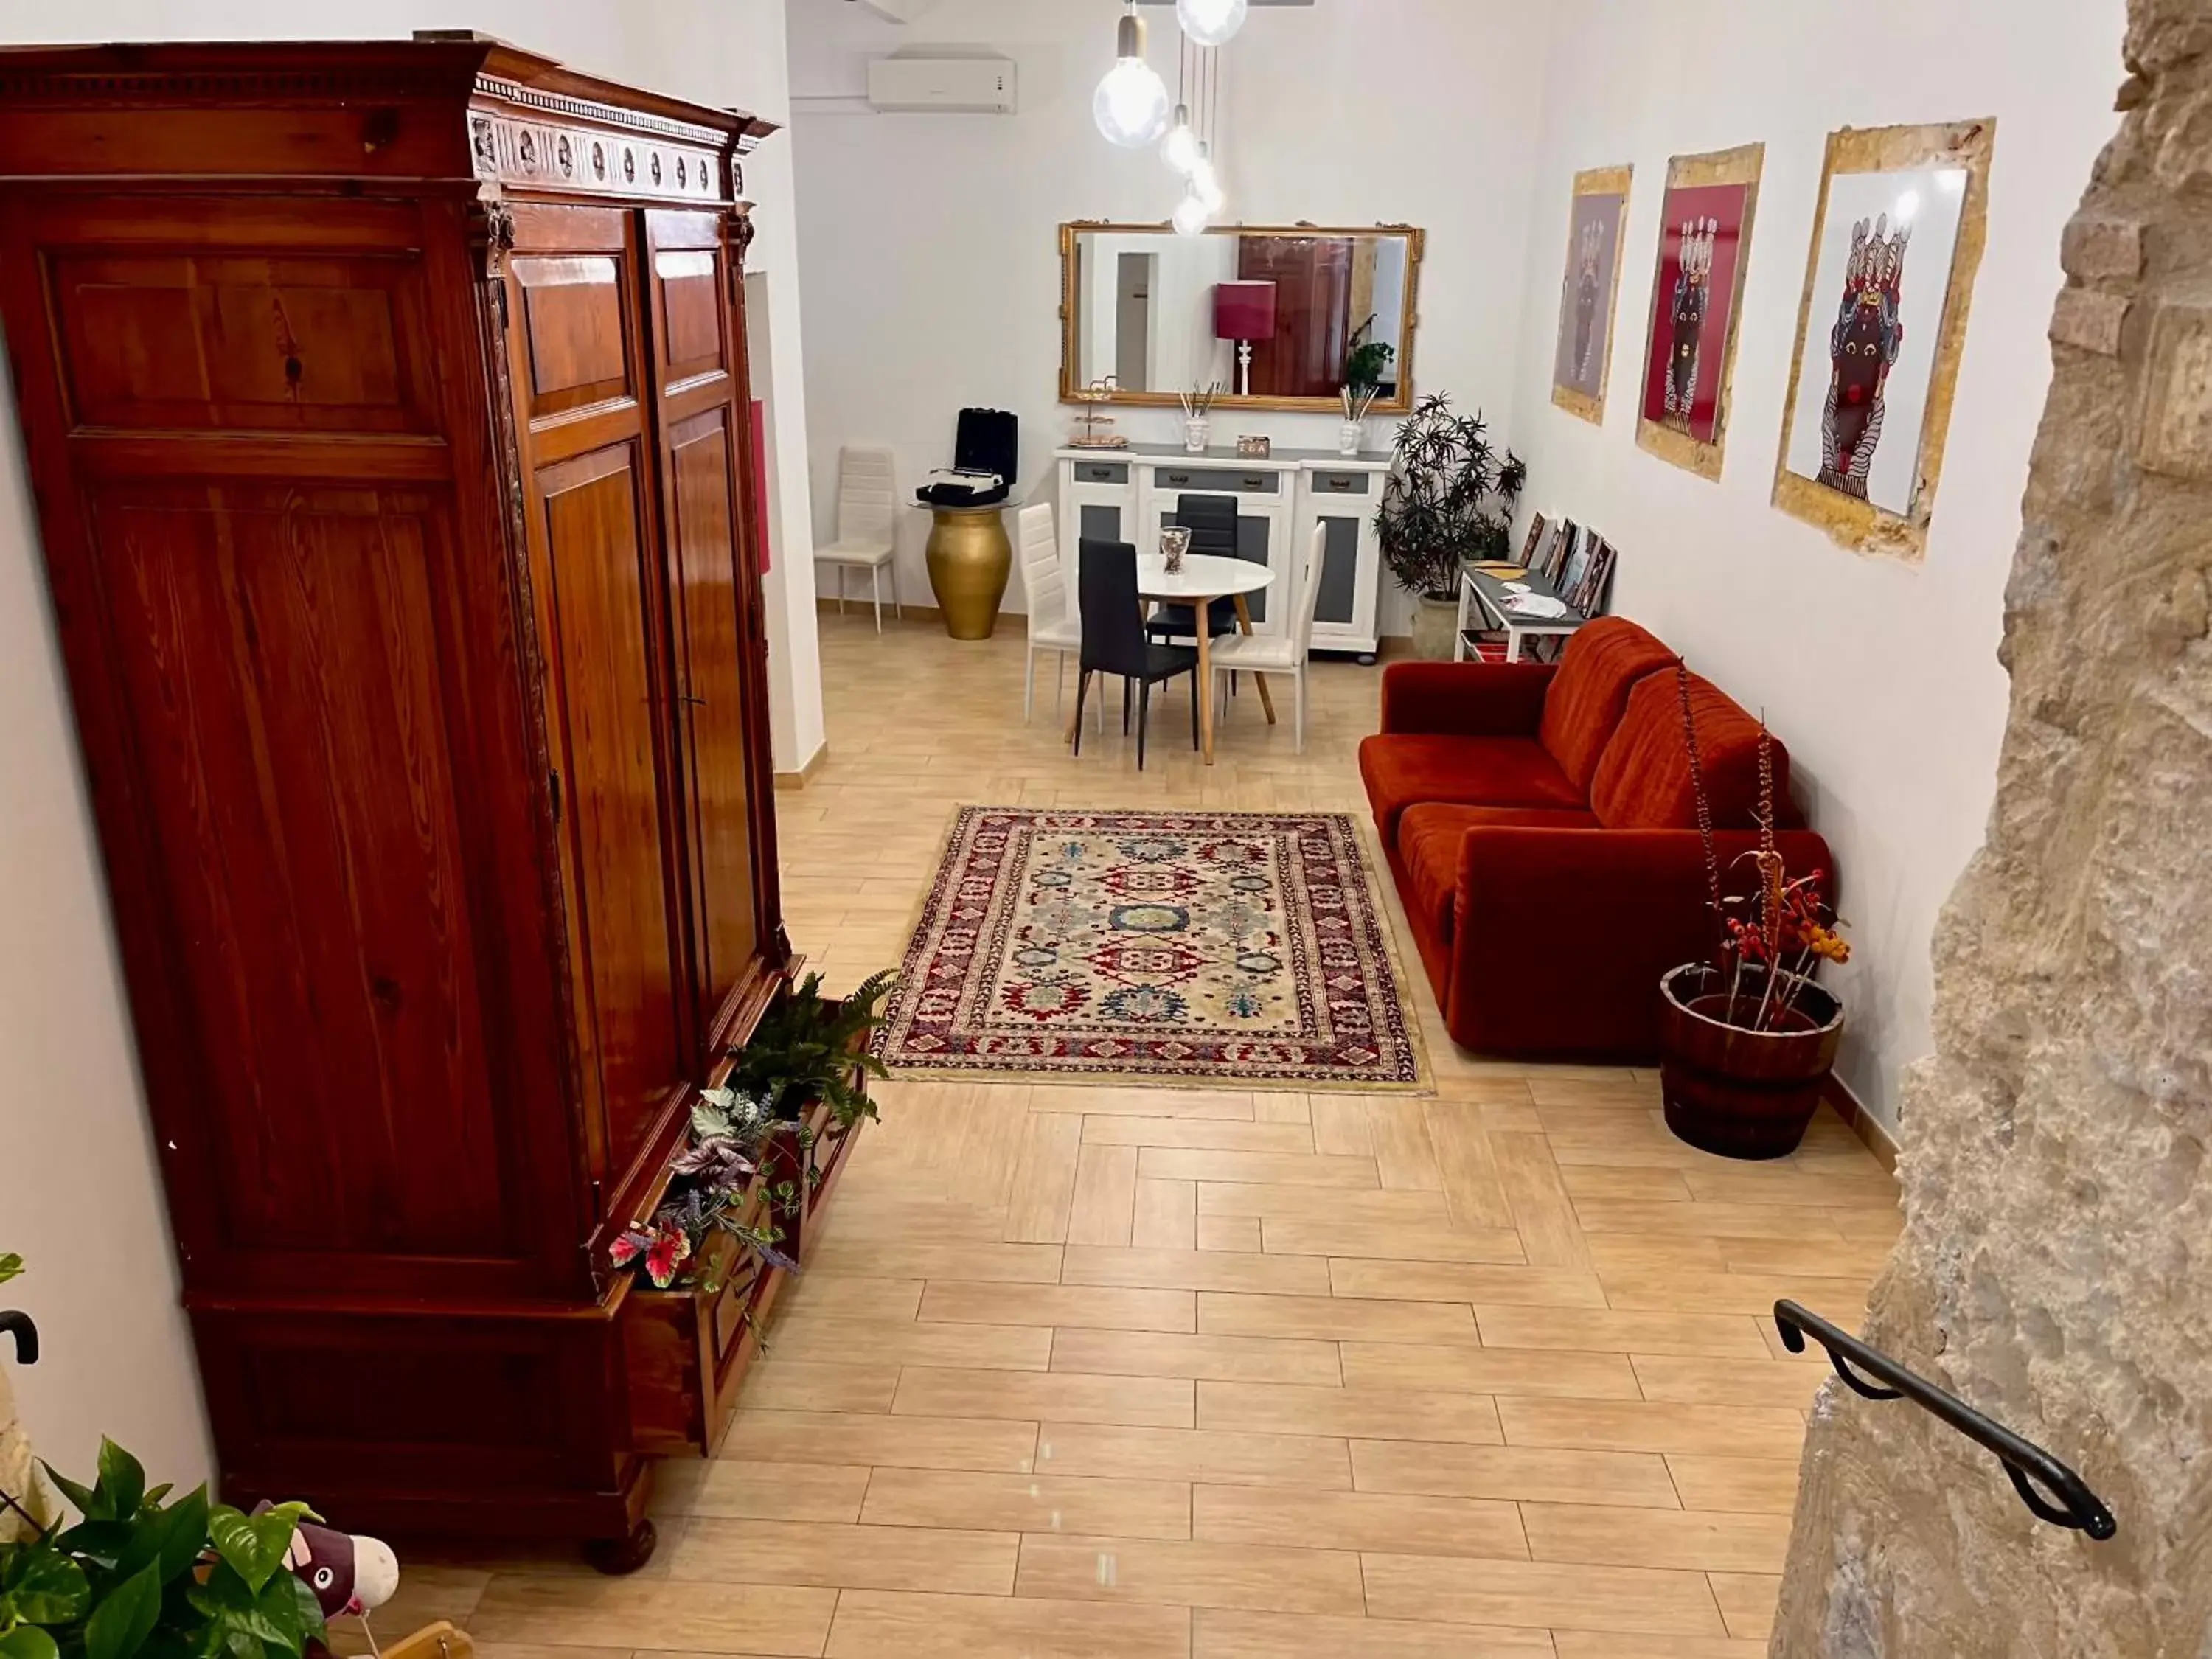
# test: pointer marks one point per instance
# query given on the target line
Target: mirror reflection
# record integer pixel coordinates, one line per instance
(1285, 318)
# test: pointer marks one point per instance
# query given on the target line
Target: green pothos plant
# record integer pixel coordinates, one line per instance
(145, 1576)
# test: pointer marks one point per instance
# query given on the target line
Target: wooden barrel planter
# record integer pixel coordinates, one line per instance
(1741, 1093)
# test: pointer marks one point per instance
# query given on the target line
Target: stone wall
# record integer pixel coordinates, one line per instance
(2055, 1269)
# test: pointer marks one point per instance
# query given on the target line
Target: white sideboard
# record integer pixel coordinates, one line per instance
(1127, 495)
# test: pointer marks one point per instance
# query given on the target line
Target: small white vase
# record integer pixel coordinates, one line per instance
(1195, 435)
(1351, 437)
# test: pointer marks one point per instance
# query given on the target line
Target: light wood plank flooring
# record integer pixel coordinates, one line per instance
(1210, 1375)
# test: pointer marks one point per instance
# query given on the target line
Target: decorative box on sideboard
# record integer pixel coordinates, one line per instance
(384, 405)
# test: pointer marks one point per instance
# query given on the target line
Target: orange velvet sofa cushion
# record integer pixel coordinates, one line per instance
(1603, 664)
(1644, 780)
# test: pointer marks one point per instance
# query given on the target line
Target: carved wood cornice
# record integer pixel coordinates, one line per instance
(569, 155)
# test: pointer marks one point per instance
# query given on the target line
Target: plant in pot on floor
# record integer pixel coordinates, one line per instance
(1747, 1040)
(144, 1574)
(1450, 499)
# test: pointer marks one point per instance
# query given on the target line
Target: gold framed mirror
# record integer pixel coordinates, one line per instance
(1280, 316)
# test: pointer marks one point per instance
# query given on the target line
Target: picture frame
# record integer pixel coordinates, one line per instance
(1532, 542)
(1576, 569)
(1897, 239)
(1589, 291)
(1705, 229)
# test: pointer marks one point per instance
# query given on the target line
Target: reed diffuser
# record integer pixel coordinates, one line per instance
(1352, 436)
(1197, 409)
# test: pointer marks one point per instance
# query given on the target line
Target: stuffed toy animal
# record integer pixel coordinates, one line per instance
(351, 1574)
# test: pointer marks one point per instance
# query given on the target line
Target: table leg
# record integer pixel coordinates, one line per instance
(1244, 622)
(1514, 637)
(1204, 688)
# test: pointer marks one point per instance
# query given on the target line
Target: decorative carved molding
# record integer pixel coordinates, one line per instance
(539, 155)
(367, 83)
(738, 232)
(492, 234)
(605, 115)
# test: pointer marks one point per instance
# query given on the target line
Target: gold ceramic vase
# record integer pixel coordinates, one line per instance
(970, 560)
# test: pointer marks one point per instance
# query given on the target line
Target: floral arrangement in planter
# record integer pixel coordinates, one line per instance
(1450, 499)
(1748, 1039)
(143, 1574)
(707, 1193)
(807, 1048)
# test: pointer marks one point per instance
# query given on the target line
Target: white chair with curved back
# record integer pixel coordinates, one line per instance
(867, 530)
(1052, 623)
(1286, 653)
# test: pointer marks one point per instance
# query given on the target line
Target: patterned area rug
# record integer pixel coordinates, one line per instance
(1231, 949)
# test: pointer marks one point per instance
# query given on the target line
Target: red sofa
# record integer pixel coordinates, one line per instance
(1542, 825)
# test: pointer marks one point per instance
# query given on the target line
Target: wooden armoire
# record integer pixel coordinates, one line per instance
(386, 405)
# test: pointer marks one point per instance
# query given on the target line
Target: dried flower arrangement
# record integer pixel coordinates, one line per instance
(1782, 930)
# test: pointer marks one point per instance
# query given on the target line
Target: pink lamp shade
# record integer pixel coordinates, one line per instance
(1244, 311)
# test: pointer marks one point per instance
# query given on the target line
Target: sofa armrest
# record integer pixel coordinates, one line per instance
(1559, 936)
(1466, 699)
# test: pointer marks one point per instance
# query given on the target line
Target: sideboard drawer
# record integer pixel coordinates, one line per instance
(1342, 483)
(1102, 472)
(1219, 480)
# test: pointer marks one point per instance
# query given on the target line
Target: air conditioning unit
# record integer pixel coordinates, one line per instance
(976, 86)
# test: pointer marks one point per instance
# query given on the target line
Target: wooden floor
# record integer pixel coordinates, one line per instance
(1089, 1373)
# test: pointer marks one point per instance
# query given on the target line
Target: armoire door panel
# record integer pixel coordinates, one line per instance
(691, 307)
(575, 321)
(298, 708)
(193, 341)
(697, 351)
(703, 571)
(612, 718)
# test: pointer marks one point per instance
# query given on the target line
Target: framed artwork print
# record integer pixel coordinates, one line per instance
(1696, 305)
(1897, 241)
(1581, 360)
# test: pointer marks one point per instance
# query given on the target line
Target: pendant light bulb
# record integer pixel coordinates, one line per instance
(1205, 183)
(1179, 150)
(1210, 22)
(1132, 107)
(1190, 217)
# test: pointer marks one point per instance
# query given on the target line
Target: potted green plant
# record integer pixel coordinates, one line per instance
(144, 1574)
(810, 1047)
(1450, 499)
(1748, 1040)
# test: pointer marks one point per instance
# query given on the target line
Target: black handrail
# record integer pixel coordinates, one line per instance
(18, 1325)
(2077, 1509)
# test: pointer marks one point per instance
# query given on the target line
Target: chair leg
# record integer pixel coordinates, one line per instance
(1144, 709)
(1125, 707)
(1302, 709)
(841, 589)
(876, 593)
(1029, 683)
(897, 610)
(1082, 685)
(1193, 708)
(1059, 683)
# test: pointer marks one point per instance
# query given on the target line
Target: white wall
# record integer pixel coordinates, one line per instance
(928, 244)
(79, 1195)
(1882, 679)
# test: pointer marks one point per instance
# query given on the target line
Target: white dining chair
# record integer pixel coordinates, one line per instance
(867, 532)
(1283, 653)
(1052, 624)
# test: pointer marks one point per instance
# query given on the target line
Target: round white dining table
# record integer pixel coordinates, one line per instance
(1204, 578)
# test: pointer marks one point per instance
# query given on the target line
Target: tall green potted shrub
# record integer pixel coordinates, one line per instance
(1450, 499)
